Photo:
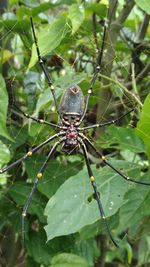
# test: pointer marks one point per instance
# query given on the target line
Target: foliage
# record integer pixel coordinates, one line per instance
(63, 227)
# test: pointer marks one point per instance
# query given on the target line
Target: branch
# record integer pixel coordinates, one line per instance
(125, 12)
(112, 33)
(142, 29)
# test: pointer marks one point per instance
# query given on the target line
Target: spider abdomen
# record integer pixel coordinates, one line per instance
(72, 101)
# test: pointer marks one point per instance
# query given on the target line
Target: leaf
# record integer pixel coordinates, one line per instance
(123, 138)
(43, 99)
(144, 5)
(68, 260)
(99, 9)
(4, 154)
(20, 192)
(49, 37)
(20, 136)
(144, 251)
(76, 15)
(6, 55)
(55, 174)
(60, 85)
(38, 249)
(71, 209)
(143, 126)
(3, 109)
(4, 158)
(136, 205)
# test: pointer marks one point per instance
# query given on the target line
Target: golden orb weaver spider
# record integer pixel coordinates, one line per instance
(71, 112)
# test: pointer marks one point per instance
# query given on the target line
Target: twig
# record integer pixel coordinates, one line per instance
(140, 76)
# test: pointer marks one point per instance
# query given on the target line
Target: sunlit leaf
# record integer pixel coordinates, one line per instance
(72, 207)
(3, 109)
(49, 37)
(143, 126)
(144, 5)
(76, 15)
(68, 260)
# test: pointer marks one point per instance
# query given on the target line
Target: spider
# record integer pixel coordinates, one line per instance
(71, 112)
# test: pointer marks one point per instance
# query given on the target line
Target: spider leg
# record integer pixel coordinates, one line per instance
(29, 153)
(47, 75)
(41, 121)
(97, 71)
(106, 123)
(37, 179)
(97, 194)
(103, 158)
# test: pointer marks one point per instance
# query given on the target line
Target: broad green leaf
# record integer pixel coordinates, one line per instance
(55, 174)
(136, 205)
(38, 249)
(20, 136)
(72, 207)
(99, 9)
(43, 99)
(68, 260)
(76, 15)
(49, 37)
(143, 126)
(12, 24)
(20, 192)
(144, 5)
(43, 251)
(3, 108)
(123, 138)
(23, 11)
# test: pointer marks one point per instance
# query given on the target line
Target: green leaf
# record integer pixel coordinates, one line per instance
(20, 136)
(76, 15)
(68, 260)
(144, 251)
(49, 37)
(4, 154)
(43, 99)
(38, 249)
(6, 56)
(60, 85)
(23, 11)
(123, 138)
(4, 158)
(20, 192)
(143, 126)
(144, 5)
(73, 207)
(3, 109)
(99, 9)
(136, 205)
(55, 174)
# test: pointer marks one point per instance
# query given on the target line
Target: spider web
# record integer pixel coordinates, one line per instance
(61, 167)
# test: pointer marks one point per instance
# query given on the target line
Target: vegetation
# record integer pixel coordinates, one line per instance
(63, 227)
